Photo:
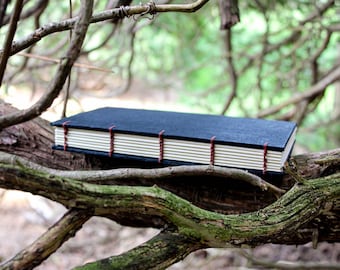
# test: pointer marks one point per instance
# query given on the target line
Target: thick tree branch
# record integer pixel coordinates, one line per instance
(108, 176)
(165, 249)
(152, 206)
(180, 219)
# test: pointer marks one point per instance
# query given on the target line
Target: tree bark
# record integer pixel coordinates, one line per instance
(161, 251)
(49, 242)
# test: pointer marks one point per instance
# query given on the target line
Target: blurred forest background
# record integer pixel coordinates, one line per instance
(275, 63)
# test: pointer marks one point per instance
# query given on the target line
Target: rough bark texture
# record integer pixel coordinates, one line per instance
(178, 244)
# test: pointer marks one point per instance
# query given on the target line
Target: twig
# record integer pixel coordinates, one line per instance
(57, 61)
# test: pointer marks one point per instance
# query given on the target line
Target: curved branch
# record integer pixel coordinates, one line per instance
(59, 79)
(105, 176)
(151, 206)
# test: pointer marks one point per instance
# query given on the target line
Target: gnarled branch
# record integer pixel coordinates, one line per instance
(155, 207)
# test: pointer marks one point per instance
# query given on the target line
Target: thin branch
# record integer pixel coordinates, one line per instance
(9, 38)
(295, 35)
(316, 89)
(290, 168)
(319, 11)
(155, 207)
(232, 71)
(59, 79)
(39, 11)
(128, 80)
(43, 247)
(57, 61)
(68, 80)
(3, 8)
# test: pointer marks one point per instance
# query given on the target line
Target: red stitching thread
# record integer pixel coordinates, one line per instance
(65, 134)
(112, 137)
(212, 150)
(161, 145)
(265, 151)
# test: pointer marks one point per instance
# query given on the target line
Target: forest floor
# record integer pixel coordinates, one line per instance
(24, 217)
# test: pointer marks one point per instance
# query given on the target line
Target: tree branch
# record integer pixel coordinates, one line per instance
(165, 249)
(108, 176)
(9, 38)
(280, 222)
(43, 247)
(233, 76)
(293, 219)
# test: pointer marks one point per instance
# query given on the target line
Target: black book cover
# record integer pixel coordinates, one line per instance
(247, 133)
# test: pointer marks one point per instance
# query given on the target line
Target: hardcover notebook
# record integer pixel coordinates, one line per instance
(178, 138)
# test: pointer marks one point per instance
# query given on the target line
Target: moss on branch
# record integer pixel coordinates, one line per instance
(153, 206)
(161, 251)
